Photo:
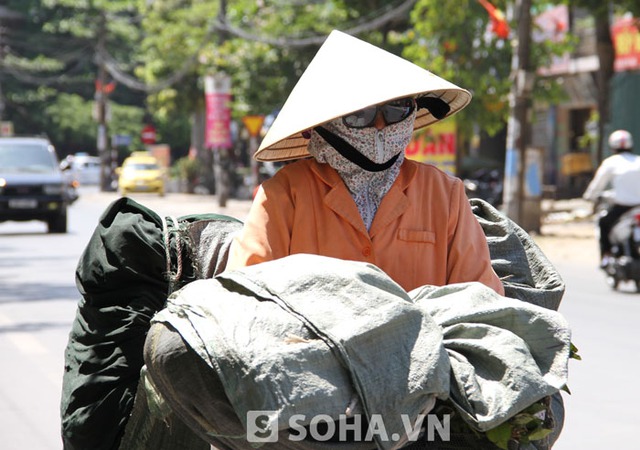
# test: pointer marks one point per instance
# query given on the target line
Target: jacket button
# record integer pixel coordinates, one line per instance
(366, 251)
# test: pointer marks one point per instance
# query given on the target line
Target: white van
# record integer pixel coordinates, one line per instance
(85, 169)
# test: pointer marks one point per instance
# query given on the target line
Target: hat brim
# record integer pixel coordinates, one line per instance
(347, 75)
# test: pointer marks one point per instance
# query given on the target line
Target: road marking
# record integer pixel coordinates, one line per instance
(25, 341)
(30, 346)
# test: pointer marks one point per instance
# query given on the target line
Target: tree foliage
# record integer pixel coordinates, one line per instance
(454, 40)
(159, 50)
(601, 12)
(49, 71)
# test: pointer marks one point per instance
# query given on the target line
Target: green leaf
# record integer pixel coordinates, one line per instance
(500, 435)
(522, 419)
(573, 352)
(535, 408)
(539, 433)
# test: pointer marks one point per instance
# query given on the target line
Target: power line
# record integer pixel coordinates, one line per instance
(28, 77)
(365, 25)
(114, 67)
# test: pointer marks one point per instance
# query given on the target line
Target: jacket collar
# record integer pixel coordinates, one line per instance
(393, 205)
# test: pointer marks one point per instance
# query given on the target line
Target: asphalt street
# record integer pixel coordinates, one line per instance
(38, 299)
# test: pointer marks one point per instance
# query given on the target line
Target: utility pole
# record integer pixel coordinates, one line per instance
(2, 55)
(518, 128)
(218, 95)
(606, 56)
(221, 157)
(102, 142)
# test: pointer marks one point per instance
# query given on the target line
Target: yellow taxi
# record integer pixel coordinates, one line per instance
(140, 172)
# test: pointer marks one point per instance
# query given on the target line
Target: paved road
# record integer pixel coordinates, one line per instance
(38, 299)
(601, 412)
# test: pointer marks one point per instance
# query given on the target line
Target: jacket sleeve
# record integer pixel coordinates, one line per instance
(601, 179)
(266, 234)
(469, 258)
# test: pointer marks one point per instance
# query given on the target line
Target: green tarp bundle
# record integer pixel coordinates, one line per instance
(525, 271)
(305, 334)
(124, 279)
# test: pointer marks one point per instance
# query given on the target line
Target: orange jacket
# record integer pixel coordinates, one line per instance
(424, 231)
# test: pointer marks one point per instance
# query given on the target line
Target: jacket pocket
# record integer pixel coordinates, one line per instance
(417, 235)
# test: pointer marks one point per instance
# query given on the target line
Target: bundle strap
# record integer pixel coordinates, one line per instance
(169, 233)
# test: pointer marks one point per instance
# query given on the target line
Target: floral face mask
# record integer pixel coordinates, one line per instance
(379, 146)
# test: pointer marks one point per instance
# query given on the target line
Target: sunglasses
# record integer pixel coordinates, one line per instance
(393, 112)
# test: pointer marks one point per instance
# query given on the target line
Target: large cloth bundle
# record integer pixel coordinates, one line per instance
(524, 270)
(136, 259)
(305, 335)
(300, 335)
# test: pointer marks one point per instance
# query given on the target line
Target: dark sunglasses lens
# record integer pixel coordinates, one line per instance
(397, 110)
(361, 119)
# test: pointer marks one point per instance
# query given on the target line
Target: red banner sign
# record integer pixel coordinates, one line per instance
(218, 101)
(626, 40)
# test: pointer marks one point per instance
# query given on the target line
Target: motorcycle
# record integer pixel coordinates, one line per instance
(485, 184)
(70, 183)
(624, 264)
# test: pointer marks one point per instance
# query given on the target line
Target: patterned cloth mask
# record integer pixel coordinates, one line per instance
(366, 188)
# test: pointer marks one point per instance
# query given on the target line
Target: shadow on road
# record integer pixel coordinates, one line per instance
(33, 327)
(37, 292)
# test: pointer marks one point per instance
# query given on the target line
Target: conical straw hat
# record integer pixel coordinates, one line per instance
(346, 75)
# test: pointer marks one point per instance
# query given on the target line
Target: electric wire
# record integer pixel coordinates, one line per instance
(28, 77)
(364, 26)
(114, 67)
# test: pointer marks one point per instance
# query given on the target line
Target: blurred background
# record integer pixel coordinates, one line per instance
(197, 84)
(194, 85)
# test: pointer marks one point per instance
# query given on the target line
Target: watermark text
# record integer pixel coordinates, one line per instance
(263, 426)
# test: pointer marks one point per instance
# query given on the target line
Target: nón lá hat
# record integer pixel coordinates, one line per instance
(346, 75)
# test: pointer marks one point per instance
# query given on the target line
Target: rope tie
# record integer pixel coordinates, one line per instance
(167, 234)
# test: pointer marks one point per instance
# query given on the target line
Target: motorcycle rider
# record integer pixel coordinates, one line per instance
(621, 171)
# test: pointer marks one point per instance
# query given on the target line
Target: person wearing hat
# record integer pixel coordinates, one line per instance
(352, 194)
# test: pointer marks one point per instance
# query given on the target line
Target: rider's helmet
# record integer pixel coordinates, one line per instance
(621, 141)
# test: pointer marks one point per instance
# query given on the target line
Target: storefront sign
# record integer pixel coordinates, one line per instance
(626, 40)
(435, 145)
(6, 128)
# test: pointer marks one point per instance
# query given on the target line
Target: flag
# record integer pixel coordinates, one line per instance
(499, 23)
